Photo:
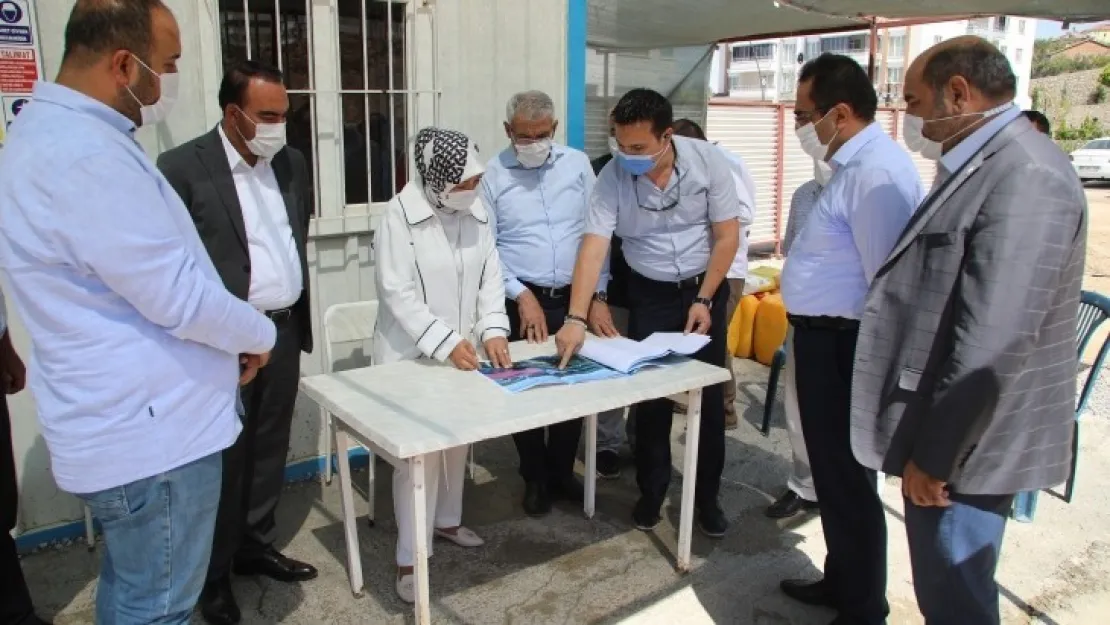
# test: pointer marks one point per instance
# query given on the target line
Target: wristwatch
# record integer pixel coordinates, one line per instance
(602, 297)
(708, 303)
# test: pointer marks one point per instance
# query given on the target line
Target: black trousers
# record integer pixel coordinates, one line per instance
(851, 511)
(664, 307)
(15, 599)
(254, 467)
(546, 454)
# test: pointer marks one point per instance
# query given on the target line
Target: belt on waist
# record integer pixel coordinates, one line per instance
(807, 322)
(692, 282)
(280, 315)
(549, 292)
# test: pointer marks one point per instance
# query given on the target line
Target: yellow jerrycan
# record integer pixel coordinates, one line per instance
(770, 328)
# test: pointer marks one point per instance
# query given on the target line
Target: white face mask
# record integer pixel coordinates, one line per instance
(811, 143)
(158, 110)
(916, 141)
(454, 201)
(533, 155)
(269, 139)
(822, 172)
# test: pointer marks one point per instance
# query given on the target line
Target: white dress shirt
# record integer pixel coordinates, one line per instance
(135, 341)
(745, 190)
(276, 280)
(859, 216)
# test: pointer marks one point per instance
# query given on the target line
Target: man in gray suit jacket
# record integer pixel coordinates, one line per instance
(964, 379)
(250, 197)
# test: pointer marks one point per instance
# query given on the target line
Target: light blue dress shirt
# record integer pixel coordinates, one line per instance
(667, 245)
(962, 152)
(135, 340)
(873, 192)
(538, 216)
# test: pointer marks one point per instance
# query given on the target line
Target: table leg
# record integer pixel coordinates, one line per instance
(689, 478)
(420, 540)
(591, 465)
(347, 495)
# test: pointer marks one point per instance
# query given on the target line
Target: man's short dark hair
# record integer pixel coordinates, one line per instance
(1039, 120)
(689, 128)
(100, 26)
(233, 87)
(644, 105)
(835, 79)
(981, 64)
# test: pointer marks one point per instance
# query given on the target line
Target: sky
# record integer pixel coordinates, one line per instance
(1047, 29)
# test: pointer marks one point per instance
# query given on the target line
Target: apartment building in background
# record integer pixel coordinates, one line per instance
(767, 70)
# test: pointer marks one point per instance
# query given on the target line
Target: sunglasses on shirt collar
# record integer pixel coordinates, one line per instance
(677, 187)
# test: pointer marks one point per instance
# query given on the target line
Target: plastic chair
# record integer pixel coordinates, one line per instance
(777, 363)
(346, 323)
(1094, 308)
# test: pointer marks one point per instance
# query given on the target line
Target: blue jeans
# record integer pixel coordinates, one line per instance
(158, 537)
(954, 554)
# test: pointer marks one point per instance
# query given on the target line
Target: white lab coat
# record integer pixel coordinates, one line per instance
(428, 303)
(425, 309)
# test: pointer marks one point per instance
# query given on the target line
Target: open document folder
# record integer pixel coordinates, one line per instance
(599, 359)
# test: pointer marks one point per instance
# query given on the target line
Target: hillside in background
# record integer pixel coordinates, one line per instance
(1072, 87)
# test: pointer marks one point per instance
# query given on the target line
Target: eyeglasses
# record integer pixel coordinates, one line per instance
(803, 116)
(667, 207)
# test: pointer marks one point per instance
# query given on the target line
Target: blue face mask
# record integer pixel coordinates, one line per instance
(639, 164)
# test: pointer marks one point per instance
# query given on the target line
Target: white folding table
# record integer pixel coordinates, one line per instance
(407, 410)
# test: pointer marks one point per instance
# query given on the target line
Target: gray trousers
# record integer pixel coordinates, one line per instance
(611, 426)
(801, 480)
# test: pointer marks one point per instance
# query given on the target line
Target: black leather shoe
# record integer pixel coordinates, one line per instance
(275, 566)
(712, 521)
(608, 465)
(537, 502)
(568, 488)
(645, 516)
(810, 593)
(217, 603)
(788, 505)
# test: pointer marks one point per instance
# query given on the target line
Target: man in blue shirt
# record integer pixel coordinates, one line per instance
(137, 345)
(869, 199)
(537, 192)
(673, 202)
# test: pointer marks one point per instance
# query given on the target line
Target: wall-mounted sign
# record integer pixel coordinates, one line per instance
(20, 56)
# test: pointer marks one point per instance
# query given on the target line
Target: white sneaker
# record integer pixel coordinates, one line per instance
(406, 588)
(462, 537)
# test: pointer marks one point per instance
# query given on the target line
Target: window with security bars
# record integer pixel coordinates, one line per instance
(366, 48)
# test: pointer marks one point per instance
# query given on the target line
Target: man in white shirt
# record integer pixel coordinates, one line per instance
(738, 272)
(250, 197)
(136, 345)
(15, 599)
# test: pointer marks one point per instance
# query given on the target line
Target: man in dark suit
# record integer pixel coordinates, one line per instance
(965, 369)
(15, 599)
(250, 198)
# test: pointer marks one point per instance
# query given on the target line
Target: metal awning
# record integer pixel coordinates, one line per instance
(624, 24)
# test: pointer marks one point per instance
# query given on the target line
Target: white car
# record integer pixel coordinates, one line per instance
(1092, 161)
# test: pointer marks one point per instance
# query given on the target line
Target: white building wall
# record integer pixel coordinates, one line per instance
(486, 52)
(1016, 40)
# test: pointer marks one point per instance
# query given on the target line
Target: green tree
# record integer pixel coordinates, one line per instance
(1104, 77)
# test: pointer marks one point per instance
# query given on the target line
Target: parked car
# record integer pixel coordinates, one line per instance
(1092, 161)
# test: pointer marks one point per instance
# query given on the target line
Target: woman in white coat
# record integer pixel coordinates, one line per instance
(441, 293)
